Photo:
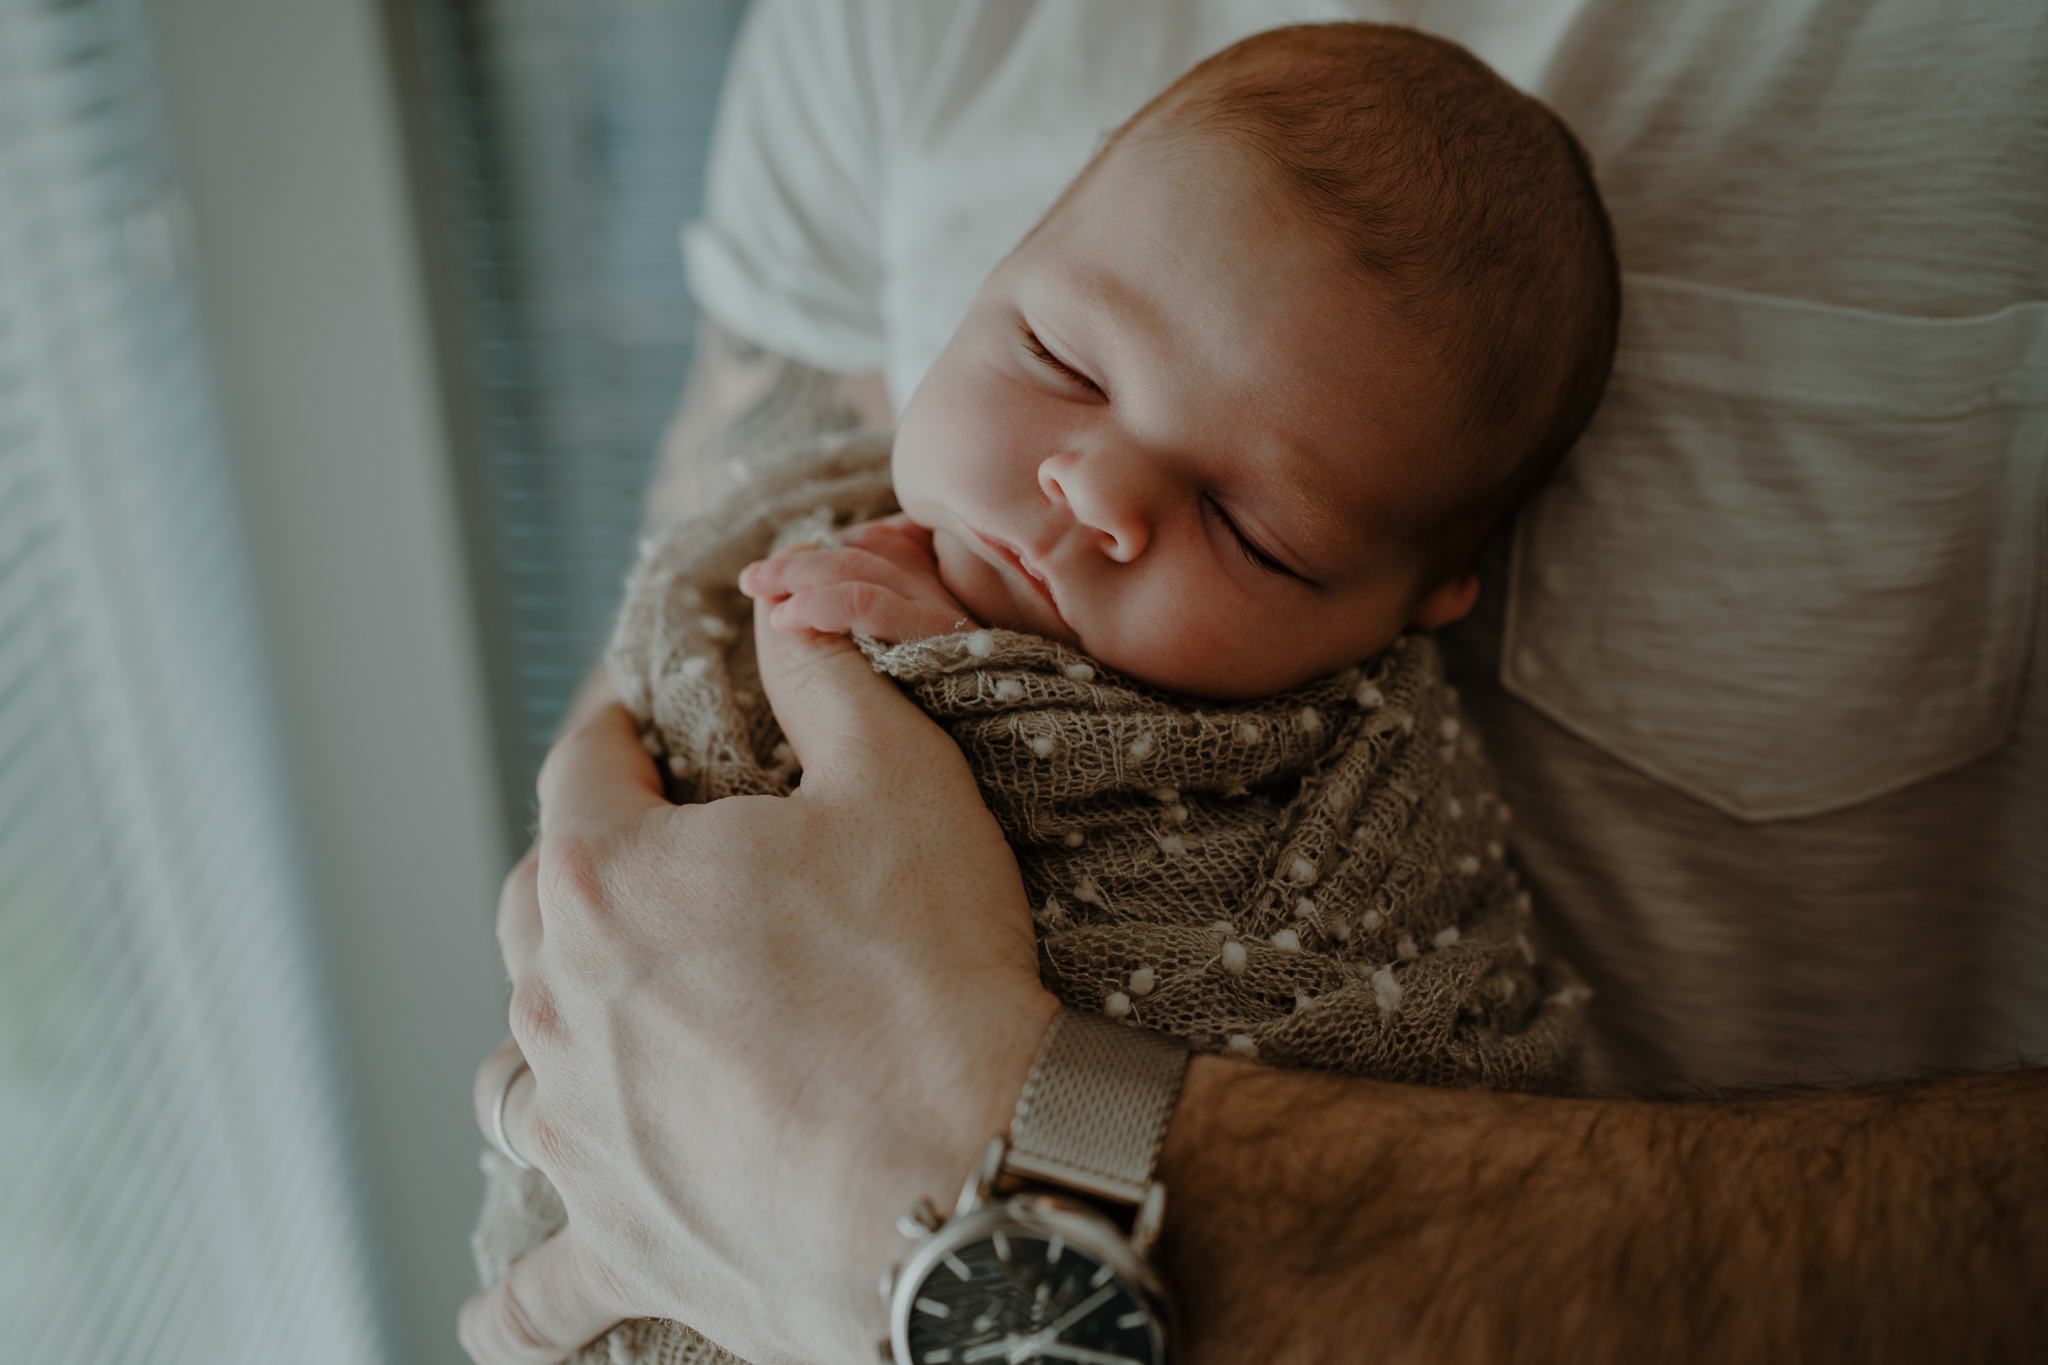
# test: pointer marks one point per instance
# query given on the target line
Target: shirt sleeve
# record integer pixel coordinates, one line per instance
(788, 252)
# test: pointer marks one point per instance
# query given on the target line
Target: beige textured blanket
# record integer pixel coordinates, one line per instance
(1313, 879)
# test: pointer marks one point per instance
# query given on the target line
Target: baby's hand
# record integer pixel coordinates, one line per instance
(882, 581)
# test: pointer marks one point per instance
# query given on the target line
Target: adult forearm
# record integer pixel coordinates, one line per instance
(1321, 1219)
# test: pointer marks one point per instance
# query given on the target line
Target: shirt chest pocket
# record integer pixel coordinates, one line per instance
(1794, 563)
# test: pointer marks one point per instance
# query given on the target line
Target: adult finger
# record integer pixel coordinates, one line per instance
(551, 1302)
(854, 732)
(519, 929)
(490, 1083)
(598, 777)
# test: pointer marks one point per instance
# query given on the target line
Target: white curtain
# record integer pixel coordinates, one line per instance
(176, 1176)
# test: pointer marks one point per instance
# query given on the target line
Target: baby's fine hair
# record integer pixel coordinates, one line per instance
(1468, 204)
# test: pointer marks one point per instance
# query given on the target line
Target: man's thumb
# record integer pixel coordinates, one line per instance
(540, 1313)
(849, 725)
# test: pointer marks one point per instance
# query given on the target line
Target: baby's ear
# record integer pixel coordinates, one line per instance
(1450, 601)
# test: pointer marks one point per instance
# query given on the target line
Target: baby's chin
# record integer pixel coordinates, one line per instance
(989, 595)
(1227, 671)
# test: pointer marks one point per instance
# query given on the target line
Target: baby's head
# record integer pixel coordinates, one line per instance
(1244, 405)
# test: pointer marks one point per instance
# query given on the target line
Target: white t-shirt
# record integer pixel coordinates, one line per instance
(1764, 669)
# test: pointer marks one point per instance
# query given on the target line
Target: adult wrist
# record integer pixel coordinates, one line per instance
(965, 1090)
(1048, 1243)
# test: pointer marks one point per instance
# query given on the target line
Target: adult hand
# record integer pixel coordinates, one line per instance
(759, 1029)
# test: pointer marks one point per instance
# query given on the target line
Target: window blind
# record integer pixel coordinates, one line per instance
(175, 1173)
(566, 144)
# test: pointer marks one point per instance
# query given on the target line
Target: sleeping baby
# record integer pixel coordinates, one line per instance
(1159, 540)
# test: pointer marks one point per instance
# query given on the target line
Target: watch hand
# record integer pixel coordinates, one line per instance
(1087, 1306)
(1037, 1341)
(1060, 1350)
(987, 1350)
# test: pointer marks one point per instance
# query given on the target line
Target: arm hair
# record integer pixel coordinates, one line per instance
(1316, 1218)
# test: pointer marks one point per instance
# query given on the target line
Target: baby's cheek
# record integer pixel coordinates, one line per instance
(1197, 639)
(972, 583)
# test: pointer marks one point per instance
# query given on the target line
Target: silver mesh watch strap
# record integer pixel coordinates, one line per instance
(1096, 1106)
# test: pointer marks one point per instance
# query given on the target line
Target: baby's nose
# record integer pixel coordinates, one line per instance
(1107, 494)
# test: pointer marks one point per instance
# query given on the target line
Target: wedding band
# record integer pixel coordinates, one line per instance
(498, 1118)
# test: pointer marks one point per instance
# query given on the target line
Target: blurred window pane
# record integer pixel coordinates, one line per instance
(565, 149)
(175, 1176)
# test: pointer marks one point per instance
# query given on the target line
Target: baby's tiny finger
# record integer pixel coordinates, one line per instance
(847, 565)
(762, 578)
(834, 608)
(908, 546)
(862, 607)
(766, 577)
(806, 611)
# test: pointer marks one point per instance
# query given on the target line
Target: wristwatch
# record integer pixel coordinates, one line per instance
(1046, 1256)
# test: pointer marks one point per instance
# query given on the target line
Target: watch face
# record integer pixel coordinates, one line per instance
(1024, 1288)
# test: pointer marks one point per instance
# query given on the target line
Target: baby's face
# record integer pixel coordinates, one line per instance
(1175, 430)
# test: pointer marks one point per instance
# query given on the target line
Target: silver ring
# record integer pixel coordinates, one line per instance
(498, 1118)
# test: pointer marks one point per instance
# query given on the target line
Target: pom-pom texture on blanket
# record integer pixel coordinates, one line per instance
(1311, 879)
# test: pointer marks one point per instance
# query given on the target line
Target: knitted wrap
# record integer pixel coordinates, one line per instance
(1310, 879)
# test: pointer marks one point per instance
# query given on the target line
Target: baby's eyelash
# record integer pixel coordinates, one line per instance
(1045, 357)
(1252, 553)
